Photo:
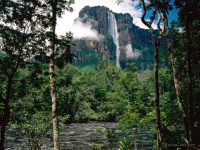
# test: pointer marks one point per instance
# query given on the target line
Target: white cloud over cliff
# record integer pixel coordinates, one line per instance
(132, 54)
(84, 30)
(67, 23)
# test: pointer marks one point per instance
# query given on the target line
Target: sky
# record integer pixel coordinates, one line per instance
(81, 31)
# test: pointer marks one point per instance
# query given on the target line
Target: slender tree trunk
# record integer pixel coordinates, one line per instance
(53, 82)
(5, 118)
(189, 71)
(176, 83)
(156, 87)
(54, 105)
(156, 59)
(157, 100)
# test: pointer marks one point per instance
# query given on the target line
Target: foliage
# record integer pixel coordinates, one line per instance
(96, 146)
(30, 114)
(107, 94)
(125, 144)
(33, 129)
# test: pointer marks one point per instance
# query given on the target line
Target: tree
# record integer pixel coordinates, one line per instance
(18, 43)
(189, 22)
(57, 8)
(31, 117)
(189, 70)
(52, 77)
(157, 41)
(164, 8)
(24, 34)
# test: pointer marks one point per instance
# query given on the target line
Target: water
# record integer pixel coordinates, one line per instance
(83, 136)
(76, 136)
(115, 35)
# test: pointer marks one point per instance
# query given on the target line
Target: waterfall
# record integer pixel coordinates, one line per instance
(112, 24)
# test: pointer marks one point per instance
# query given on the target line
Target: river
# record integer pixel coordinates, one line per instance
(84, 136)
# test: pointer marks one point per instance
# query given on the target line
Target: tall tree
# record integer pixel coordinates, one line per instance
(165, 7)
(23, 35)
(157, 41)
(57, 9)
(18, 43)
(189, 71)
(189, 21)
(52, 77)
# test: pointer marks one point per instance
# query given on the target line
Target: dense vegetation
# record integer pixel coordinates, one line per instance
(103, 92)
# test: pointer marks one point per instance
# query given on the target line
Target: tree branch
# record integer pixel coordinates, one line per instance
(160, 34)
(144, 14)
(3, 68)
(153, 17)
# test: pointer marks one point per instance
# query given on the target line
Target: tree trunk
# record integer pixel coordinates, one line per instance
(189, 72)
(156, 87)
(176, 83)
(157, 101)
(6, 116)
(53, 83)
(156, 59)
(54, 103)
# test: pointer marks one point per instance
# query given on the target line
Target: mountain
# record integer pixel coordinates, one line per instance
(117, 39)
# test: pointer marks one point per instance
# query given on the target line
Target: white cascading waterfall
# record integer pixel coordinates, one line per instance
(112, 24)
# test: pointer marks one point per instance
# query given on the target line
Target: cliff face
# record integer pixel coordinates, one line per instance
(118, 40)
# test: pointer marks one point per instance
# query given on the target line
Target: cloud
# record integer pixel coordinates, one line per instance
(66, 23)
(84, 30)
(130, 54)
